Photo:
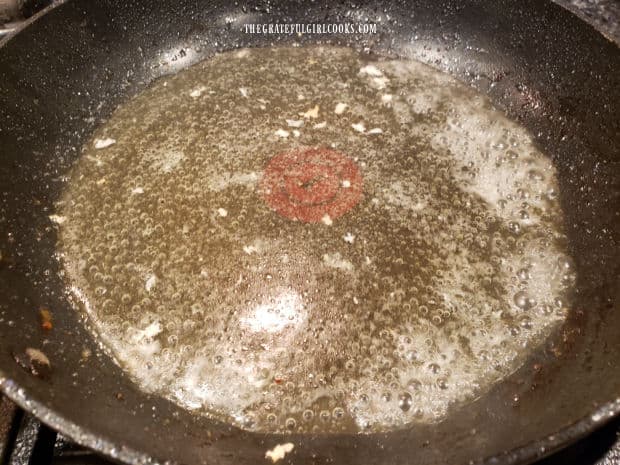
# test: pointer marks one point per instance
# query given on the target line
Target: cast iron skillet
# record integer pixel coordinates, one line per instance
(66, 71)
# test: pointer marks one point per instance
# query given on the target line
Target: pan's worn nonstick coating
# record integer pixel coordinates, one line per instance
(70, 68)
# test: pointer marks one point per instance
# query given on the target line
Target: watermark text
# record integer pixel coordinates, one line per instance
(311, 28)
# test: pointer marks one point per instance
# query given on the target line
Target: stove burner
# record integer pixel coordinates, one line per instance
(312, 185)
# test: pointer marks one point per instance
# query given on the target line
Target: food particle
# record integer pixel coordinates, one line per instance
(150, 282)
(312, 113)
(279, 451)
(57, 219)
(46, 318)
(104, 143)
(380, 82)
(34, 361)
(340, 108)
(197, 92)
(37, 356)
(371, 70)
(359, 127)
(249, 249)
(295, 123)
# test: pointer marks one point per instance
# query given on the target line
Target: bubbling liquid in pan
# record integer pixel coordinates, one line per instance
(297, 239)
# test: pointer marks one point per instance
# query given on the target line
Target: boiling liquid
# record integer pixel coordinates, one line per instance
(448, 271)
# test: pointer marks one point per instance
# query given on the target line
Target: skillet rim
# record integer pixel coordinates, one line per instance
(526, 453)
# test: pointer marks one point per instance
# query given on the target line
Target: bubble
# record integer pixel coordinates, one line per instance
(405, 401)
(514, 227)
(442, 383)
(565, 264)
(546, 309)
(249, 421)
(523, 274)
(536, 175)
(434, 368)
(525, 322)
(413, 385)
(524, 301)
(290, 423)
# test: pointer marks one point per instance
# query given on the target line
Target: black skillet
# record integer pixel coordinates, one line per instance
(543, 66)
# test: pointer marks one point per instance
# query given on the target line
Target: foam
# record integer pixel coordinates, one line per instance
(448, 273)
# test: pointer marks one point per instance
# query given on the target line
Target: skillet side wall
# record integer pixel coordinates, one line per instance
(64, 74)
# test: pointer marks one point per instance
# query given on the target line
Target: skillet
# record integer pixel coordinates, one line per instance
(546, 69)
